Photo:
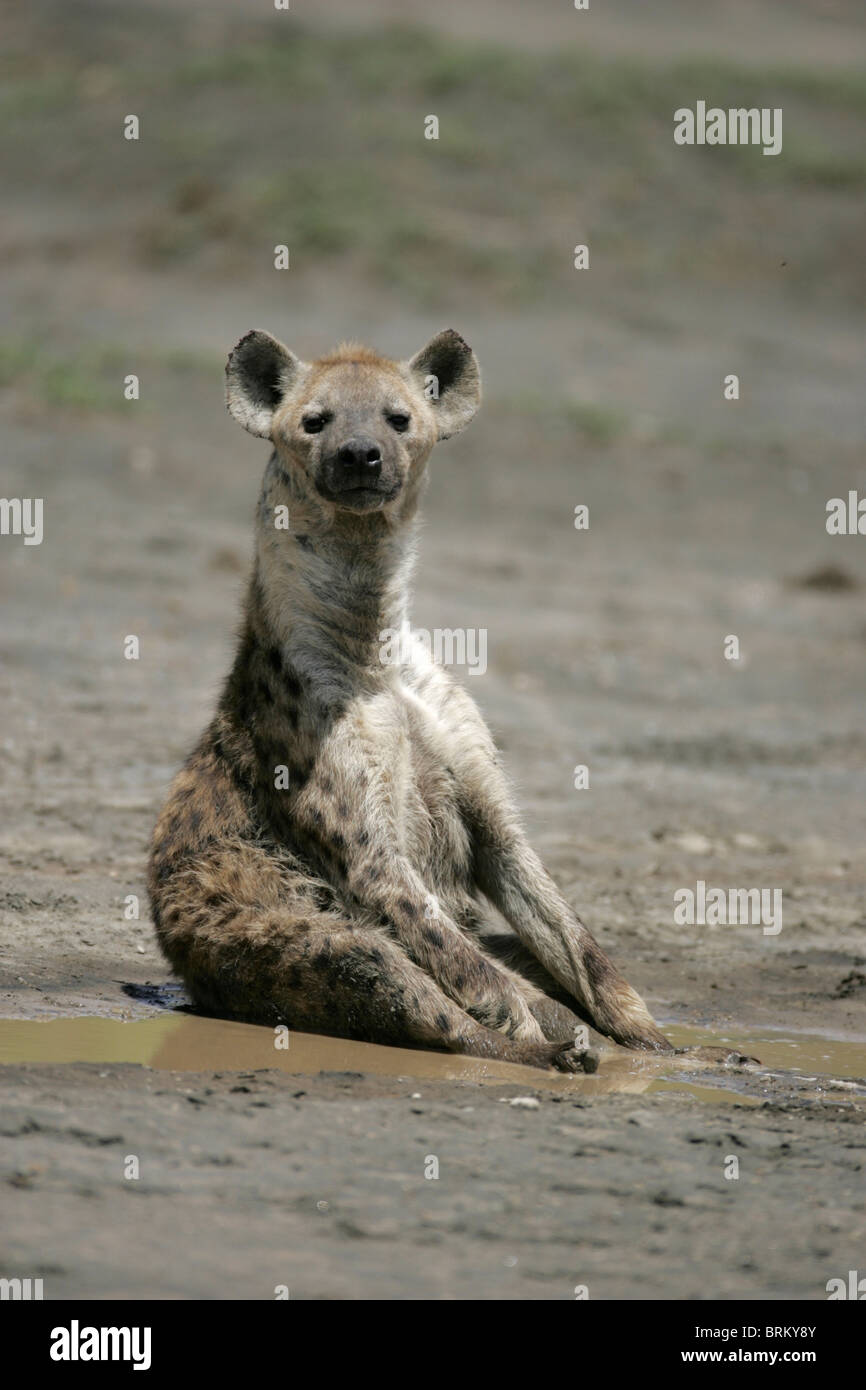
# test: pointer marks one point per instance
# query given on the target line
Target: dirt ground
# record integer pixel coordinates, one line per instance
(605, 646)
(248, 1183)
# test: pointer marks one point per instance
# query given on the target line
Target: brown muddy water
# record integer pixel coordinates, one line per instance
(805, 1065)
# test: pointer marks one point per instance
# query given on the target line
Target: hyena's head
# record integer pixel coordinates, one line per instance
(354, 428)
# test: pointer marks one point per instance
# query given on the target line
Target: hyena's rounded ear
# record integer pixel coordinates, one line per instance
(447, 373)
(259, 372)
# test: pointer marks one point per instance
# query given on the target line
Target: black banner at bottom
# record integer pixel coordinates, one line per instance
(84, 1338)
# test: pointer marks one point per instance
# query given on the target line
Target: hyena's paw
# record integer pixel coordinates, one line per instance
(506, 1011)
(576, 1059)
(564, 1056)
(727, 1056)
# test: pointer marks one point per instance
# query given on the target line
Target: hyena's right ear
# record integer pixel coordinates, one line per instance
(449, 365)
(259, 372)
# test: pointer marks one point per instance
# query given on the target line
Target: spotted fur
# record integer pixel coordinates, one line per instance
(347, 895)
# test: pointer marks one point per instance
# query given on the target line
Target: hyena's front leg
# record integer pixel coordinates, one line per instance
(511, 875)
(351, 813)
(434, 942)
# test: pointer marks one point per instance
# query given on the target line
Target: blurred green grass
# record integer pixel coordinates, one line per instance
(316, 140)
(91, 378)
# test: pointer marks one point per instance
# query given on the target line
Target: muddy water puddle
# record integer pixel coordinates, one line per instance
(793, 1065)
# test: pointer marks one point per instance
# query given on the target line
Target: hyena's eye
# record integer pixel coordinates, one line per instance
(398, 422)
(313, 424)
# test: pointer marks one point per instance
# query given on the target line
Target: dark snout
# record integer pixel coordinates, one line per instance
(358, 463)
(356, 475)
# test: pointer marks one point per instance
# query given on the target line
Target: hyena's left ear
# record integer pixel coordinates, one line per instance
(259, 372)
(447, 373)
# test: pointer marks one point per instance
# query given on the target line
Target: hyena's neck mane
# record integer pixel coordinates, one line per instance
(327, 591)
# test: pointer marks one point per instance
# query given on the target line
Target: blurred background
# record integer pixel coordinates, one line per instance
(604, 387)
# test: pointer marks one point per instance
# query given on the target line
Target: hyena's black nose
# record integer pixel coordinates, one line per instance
(360, 462)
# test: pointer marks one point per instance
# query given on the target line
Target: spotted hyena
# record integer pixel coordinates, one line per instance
(326, 854)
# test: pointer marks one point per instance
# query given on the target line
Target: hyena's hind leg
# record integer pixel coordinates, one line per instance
(319, 975)
(359, 984)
